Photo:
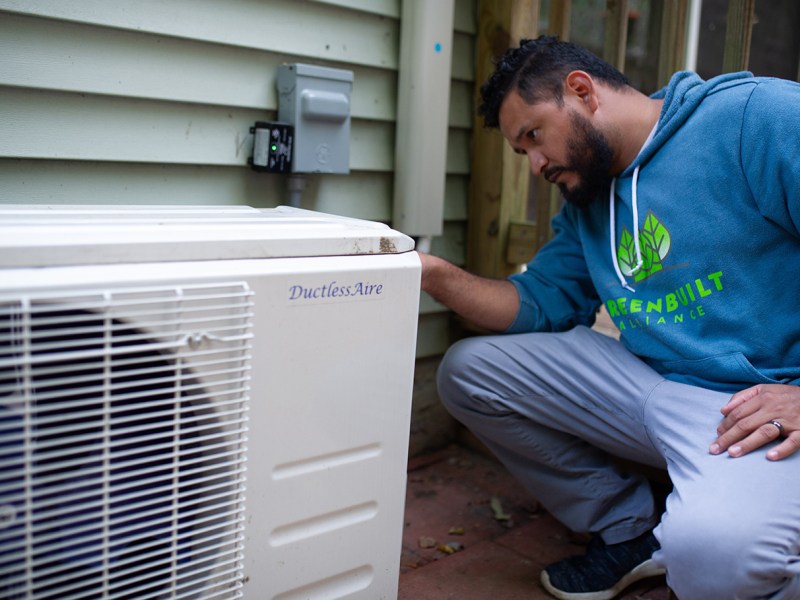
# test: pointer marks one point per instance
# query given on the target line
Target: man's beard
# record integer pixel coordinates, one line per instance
(589, 155)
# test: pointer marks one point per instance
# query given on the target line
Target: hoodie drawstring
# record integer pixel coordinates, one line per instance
(612, 227)
(635, 207)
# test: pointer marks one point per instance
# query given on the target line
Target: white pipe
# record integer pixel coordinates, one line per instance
(693, 34)
(423, 106)
(423, 244)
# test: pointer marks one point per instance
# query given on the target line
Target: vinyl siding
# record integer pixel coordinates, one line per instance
(151, 102)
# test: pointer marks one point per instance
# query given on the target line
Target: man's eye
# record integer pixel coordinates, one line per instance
(532, 134)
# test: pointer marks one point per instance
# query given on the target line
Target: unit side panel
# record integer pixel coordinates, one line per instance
(329, 455)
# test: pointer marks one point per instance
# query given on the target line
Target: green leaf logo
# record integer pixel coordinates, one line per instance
(654, 242)
(626, 253)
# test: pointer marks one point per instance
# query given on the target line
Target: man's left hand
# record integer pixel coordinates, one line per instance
(748, 421)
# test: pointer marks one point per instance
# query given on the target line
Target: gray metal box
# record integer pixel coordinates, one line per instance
(316, 100)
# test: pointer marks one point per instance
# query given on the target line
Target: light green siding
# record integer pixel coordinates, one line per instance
(152, 102)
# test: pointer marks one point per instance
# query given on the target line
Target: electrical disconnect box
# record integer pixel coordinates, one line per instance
(316, 102)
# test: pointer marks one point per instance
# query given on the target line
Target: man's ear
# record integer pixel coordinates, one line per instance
(581, 85)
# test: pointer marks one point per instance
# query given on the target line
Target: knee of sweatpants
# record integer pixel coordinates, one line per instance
(458, 378)
(708, 555)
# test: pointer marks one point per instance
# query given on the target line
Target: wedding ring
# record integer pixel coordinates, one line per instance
(779, 426)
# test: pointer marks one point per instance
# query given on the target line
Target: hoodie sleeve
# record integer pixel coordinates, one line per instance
(771, 151)
(555, 291)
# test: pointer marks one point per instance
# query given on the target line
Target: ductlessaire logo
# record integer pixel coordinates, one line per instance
(303, 293)
(684, 304)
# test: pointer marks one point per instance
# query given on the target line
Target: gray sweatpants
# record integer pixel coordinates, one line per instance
(554, 407)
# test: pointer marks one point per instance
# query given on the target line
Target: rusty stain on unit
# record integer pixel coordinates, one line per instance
(388, 246)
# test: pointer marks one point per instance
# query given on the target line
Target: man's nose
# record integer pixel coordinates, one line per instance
(537, 162)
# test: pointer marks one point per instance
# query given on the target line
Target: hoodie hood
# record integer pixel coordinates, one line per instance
(682, 96)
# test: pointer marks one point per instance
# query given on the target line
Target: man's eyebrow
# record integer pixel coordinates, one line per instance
(522, 131)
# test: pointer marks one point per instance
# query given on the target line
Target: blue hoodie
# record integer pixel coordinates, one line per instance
(716, 299)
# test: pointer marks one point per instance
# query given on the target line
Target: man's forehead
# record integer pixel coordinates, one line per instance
(516, 113)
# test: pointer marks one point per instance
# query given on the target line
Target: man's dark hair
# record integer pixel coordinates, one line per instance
(536, 70)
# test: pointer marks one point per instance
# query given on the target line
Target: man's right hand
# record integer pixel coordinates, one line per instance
(488, 303)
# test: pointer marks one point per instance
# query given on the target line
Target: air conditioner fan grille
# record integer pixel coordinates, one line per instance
(122, 442)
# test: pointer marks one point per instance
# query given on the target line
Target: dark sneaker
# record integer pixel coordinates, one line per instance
(604, 571)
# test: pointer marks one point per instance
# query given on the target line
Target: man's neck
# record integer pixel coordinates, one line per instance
(638, 116)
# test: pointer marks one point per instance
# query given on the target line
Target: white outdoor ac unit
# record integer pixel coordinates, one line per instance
(202, 402)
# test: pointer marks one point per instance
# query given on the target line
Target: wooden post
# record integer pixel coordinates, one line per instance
(672, 45)
(739, 28)
(499, 186)
(560, 16)
(616, 38)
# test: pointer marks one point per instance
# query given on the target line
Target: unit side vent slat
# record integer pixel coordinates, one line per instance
(123, 434)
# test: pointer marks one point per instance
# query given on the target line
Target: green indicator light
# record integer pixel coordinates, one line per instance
(274, 148)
